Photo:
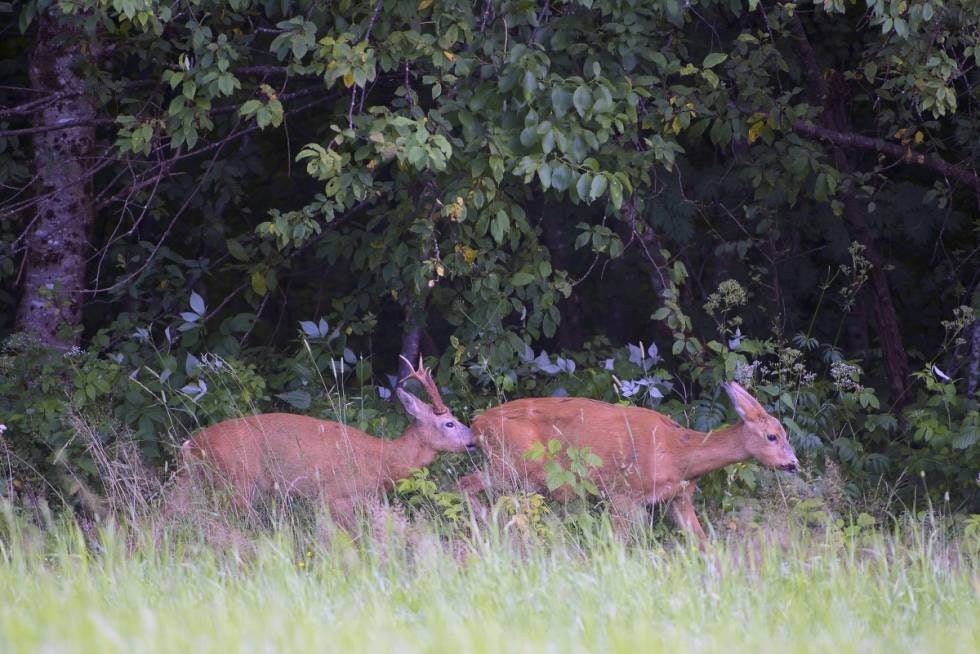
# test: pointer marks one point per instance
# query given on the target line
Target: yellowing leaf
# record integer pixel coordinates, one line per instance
(424, 4)
(755, 131)
(469, 254)
(919, 137)
(676, 124)
(258, 283)
(348, 79)
(440, 270)
(448, 55)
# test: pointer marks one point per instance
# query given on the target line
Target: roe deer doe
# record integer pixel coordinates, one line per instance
(646, 456)
(296, 455)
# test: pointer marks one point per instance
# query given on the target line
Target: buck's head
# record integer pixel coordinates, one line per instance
(434, 424)
(765, 438)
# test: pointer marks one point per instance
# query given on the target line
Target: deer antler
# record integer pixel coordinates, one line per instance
(424, 376)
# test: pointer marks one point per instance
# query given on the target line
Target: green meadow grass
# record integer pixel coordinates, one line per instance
(289, 590)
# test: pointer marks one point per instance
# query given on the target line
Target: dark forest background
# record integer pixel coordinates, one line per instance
(210, 208)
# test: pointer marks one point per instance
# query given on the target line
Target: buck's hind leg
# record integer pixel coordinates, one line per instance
(622, 509)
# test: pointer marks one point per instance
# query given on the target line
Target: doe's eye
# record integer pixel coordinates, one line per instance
(450, 425)
(772, 437)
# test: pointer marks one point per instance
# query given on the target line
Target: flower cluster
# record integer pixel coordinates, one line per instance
(846, 377)
(73, 352)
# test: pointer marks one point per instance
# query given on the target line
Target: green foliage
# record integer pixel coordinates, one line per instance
(419, 492)
(571, 471)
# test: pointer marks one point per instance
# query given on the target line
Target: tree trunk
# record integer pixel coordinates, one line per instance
(886, 318)
(411, 338)
(973, 370)
(571, 333)
(832, 93)
(59, 234)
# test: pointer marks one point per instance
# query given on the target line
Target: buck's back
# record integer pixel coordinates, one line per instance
(297, 454)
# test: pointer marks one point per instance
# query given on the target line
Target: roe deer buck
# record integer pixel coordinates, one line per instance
(646, 456)
(297, 455)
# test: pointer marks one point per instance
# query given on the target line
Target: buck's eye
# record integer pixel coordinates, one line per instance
(772, 437)
(450, 425)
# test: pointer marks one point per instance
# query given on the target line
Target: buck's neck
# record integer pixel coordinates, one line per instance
(404, 454)
(707, 451)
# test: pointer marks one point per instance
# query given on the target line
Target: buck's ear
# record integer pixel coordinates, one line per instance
(415, 407)
(746, 406)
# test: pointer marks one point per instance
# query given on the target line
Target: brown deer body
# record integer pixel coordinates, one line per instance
(646, 456)
(292, 455)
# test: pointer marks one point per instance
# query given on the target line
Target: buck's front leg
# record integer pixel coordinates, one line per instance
(681, 511)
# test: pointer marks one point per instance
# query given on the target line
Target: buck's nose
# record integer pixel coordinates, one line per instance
(472, 448)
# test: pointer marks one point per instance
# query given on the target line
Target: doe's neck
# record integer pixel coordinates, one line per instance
(708, 451)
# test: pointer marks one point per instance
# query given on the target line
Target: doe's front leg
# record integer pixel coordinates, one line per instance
(681, 512)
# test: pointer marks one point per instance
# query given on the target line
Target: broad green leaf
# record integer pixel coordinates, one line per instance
(598, 187)
(582, 186)
(714, 59)
(582, 99)
(522, 278)
(499, 226)
(561, 101)
(561, 177)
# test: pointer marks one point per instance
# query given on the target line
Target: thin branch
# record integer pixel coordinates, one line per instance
(967, 176)
(35, 105)
(173, 221)
(374, 17)
(68, 124)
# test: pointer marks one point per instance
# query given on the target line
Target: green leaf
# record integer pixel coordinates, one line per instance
(582, 99)
(582, 186)
(616, 193)
(598, 187)
(300, 400)
(522, 278)
(236, 250)
(561, 177)
(548, 141)
(544, 174)
(561, 101)
(529, 136)
(499, 226)
(713, 59)
(529, 84)
(250, 107)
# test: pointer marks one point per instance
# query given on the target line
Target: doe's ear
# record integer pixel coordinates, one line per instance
(747, 407)
(413, 405)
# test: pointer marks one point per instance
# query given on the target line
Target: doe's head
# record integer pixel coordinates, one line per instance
(765, 439)
(435, 425)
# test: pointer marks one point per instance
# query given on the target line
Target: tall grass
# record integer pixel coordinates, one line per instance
(297, 588)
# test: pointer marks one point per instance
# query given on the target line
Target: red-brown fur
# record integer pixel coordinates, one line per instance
(646, 456)
(292, 455)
